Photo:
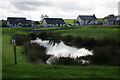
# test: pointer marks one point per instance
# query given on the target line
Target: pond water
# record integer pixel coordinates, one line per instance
(62, 50)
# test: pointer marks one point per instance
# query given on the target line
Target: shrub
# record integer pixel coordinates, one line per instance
(53, 37)
(89, 43)
(106, 56)
(32, 36)
(108, 42)
(20, 39)
(67, 38)
(79, 41)
(67, 61)
(43, 35)
(35, 52)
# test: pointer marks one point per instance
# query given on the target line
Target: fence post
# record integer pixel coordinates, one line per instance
(14, 47)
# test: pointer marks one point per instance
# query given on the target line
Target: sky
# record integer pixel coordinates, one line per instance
(66, 9)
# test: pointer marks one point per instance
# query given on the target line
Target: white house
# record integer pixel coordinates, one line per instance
(110, 20)
(18, 22)
(51, 22)
(118, 20)
(87, 20)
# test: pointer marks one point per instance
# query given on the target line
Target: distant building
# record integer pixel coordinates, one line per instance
(87, 20)
(118, 20)
(111, 20)
(18, 22)
(36, 24)
(51, 22)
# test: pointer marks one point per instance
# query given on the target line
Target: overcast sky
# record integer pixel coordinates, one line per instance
(67, 9)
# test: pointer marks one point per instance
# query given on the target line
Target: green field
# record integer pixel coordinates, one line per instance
(26, 69)
(97, 32)
(100, 19)
(69, 21)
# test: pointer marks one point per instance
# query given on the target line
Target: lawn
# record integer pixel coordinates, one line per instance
(100, 19)
(69, 21)
(26, 69)
(97, 32)
(0, 52)
(90, 31)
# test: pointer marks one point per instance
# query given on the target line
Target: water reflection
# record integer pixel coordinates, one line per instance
(62, 50)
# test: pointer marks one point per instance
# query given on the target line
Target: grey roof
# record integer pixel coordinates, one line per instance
(111, 18)
(54, 20)
(88, 17)
(16, 20)
(28, 22)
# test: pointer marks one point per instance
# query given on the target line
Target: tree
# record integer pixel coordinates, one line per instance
(46, 16)
(43, 16)
(3, 23)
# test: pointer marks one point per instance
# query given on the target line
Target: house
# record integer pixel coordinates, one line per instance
(110, 20)
(118, 20)
(51, 22)
(18, 22)
(87, 20)
(36, 24)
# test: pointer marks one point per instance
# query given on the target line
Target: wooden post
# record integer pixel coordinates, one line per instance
(14, 47)
(15, 57)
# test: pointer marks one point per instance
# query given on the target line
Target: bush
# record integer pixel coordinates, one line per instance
(53, 37)
(106, 56)
(79, 41)
(67, 39)
(67, 61)
(43, 35)
(20, 39)
(108, 42)
(32, 36)
(35, 52)
(89, 43)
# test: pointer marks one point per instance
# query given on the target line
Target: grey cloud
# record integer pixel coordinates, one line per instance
(55, 9)
(30, 6)
(65, 6)
(23, 6)
(74, 7)
(112, 5)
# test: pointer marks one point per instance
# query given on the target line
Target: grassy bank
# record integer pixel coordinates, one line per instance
(25, 69)
(58, 71)
(89, 31)
(69, 21)
(97, 32)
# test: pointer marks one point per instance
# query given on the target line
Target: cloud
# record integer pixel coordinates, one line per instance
(65, 6)
(32, 9)
(23, 6)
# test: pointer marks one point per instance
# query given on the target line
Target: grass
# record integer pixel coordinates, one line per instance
(58, 71)
(25, 69)
(0, 53)
(69, 21)
(90, 31)
(0, 22)
(100, 19)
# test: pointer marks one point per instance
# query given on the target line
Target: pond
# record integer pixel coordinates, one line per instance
(62, 50)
